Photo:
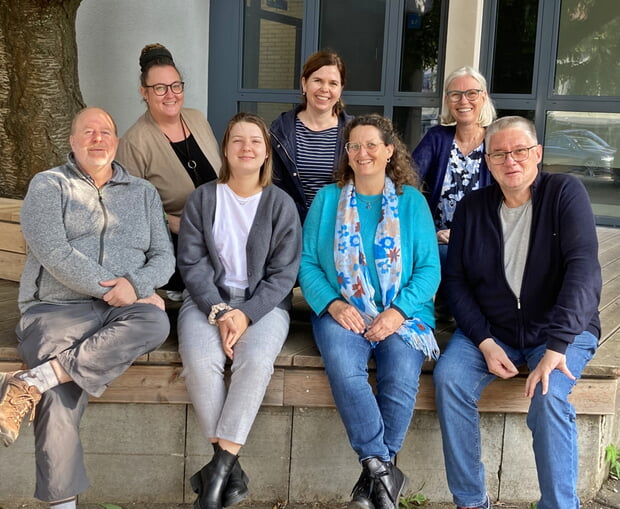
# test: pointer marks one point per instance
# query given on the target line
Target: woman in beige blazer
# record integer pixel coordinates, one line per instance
(171, 146)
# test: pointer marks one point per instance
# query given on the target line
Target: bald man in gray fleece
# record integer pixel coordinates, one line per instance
(98, 248)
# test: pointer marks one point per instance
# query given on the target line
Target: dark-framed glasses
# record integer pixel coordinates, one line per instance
(454, 96)
(354, 148)
(161, 88)
(518, 155)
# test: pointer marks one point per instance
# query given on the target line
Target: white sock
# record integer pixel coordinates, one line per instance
(67, 504)
(43, 378)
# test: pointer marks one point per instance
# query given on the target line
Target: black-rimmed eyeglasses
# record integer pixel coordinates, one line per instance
(518, 155)
(454, 96)
(161, 88)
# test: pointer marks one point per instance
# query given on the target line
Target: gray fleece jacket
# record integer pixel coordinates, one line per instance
(79, 235)
(273, 251)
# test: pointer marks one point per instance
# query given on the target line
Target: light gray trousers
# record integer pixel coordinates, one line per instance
(228, 413)
(94, 343)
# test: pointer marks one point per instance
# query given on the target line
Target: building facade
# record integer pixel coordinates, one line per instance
(556, 62)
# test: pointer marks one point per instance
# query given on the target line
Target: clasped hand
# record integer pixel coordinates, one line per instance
(122, 293)
(384, 324)
(232, 325)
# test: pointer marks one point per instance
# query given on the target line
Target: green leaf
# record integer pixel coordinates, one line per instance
(111, 506)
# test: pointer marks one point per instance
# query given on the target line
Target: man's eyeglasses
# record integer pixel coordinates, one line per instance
(454, 96)
(354, 148)
(162, 88)
(518, 155)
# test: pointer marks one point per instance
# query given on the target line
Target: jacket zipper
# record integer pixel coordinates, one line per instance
(105, 226)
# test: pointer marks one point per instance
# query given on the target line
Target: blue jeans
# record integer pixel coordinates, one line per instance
(460, 376)
(375, 425)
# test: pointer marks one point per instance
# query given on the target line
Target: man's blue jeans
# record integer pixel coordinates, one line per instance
(376, 425)
(460, 376)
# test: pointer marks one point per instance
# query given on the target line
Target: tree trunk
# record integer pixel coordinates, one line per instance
(39, 88)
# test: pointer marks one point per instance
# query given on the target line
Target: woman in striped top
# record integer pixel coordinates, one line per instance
(307, 139)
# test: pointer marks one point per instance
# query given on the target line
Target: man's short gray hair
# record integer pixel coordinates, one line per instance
(512, 122)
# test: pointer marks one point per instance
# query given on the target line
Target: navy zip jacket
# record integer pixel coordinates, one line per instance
(284, 157)
(562, 278)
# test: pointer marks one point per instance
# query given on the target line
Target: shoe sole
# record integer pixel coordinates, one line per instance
(6, 437)
(360, 505)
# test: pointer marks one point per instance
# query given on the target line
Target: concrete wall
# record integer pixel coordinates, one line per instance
(147, 453)
(110, 35)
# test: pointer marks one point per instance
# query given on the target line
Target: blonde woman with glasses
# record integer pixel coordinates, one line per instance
(450, 157)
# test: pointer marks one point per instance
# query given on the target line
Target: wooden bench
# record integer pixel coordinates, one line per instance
(299, 379)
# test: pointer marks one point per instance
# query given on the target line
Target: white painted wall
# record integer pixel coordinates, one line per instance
(110, 36)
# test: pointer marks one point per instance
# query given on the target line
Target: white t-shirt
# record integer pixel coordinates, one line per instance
(234, 216)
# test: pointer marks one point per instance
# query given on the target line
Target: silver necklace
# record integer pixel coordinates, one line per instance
(369, 203)
(191, 164)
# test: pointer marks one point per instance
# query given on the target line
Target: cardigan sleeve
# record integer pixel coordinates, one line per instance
(318, 253)
(196, 256)
(580, 291)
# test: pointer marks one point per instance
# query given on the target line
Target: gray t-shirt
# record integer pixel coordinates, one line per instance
(516, 226)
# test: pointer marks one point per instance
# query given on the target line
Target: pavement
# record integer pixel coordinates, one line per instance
(607, 498)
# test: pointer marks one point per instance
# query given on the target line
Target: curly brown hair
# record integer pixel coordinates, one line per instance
(399, 168)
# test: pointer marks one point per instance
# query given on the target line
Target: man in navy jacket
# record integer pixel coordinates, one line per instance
(524, 282)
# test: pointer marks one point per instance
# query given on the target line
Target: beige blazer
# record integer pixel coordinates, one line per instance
(145, 152)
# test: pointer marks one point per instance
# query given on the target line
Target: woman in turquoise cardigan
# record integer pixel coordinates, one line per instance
(369, 270)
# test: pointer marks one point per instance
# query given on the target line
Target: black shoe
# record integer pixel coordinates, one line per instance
(212, 480)
(362, 491)
(389, 483)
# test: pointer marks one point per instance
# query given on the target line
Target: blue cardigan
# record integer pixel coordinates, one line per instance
(420, 258)
(431, 158)
(562, 278)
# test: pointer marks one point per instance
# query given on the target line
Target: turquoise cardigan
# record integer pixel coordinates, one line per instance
(420, 257)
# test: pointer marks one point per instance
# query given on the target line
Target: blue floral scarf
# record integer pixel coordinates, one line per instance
(353, 274)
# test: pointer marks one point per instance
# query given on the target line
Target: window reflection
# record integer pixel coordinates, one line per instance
(269, 111)
(355, 30)
(586, 145)
(420, 47)
(413, 123)
(272, 44)
(587, 60)
(515, 46)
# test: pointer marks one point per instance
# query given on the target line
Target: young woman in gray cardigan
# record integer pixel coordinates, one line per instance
(239, 251)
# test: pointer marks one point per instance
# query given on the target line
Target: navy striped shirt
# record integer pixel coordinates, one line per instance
(316, 153)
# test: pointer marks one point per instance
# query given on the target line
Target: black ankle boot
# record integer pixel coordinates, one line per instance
(388, 483)
(362, 491)
(211, 481)
(237, 488)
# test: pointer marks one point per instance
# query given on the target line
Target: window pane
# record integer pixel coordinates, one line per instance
(588, 60)
(515, 44)
(268, 111)
(355, 30)
(272, 44)
(412, 123)
(585, 145)
(420, 50)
